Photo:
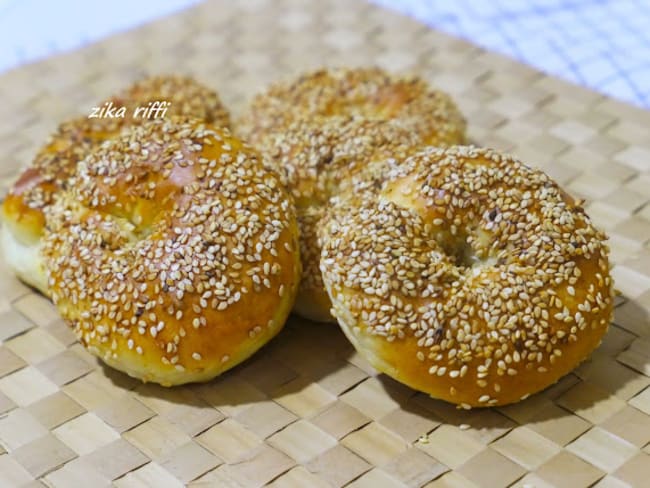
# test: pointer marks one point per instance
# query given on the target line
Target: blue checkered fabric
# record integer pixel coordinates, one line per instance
(601, 44)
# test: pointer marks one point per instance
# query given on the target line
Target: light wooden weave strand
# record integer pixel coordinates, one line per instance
(307, 411)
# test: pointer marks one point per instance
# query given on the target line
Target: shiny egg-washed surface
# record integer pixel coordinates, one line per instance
(468, 275)
(174, 253)
(326, 127)
(46, 177)
(38, 185)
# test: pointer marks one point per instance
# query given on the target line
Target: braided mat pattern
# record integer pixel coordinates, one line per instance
(307, 410)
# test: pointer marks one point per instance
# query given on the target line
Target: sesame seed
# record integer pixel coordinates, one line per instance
(494, 284)
(232, 217)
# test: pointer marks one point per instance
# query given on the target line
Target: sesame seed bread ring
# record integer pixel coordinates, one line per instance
(317, 160)
(327, 128)
(41, 182)
(467, 275)
(173, 254)
(370, 93)
(186, 97)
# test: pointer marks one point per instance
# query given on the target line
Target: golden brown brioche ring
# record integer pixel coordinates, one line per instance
(185, 95)
(173, 254)
(370, 93)
(325, 128)
(316, 161)
(468, 275)
(39, 184)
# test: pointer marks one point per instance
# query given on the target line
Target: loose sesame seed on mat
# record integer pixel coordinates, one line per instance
(307, 410)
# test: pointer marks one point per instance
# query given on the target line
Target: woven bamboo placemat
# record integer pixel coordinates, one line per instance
(307, 410)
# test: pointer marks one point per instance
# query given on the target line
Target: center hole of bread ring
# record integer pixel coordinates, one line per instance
(468, 244)
(458, 249)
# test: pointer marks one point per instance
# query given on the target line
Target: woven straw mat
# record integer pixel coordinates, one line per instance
(307, 410)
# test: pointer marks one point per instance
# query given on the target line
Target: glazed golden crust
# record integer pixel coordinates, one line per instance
(325, 130)
(173, 254)
(186, 97)
(38, 185)
(318, 160)
(368, 93)
(47, 175)
(467, 275)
